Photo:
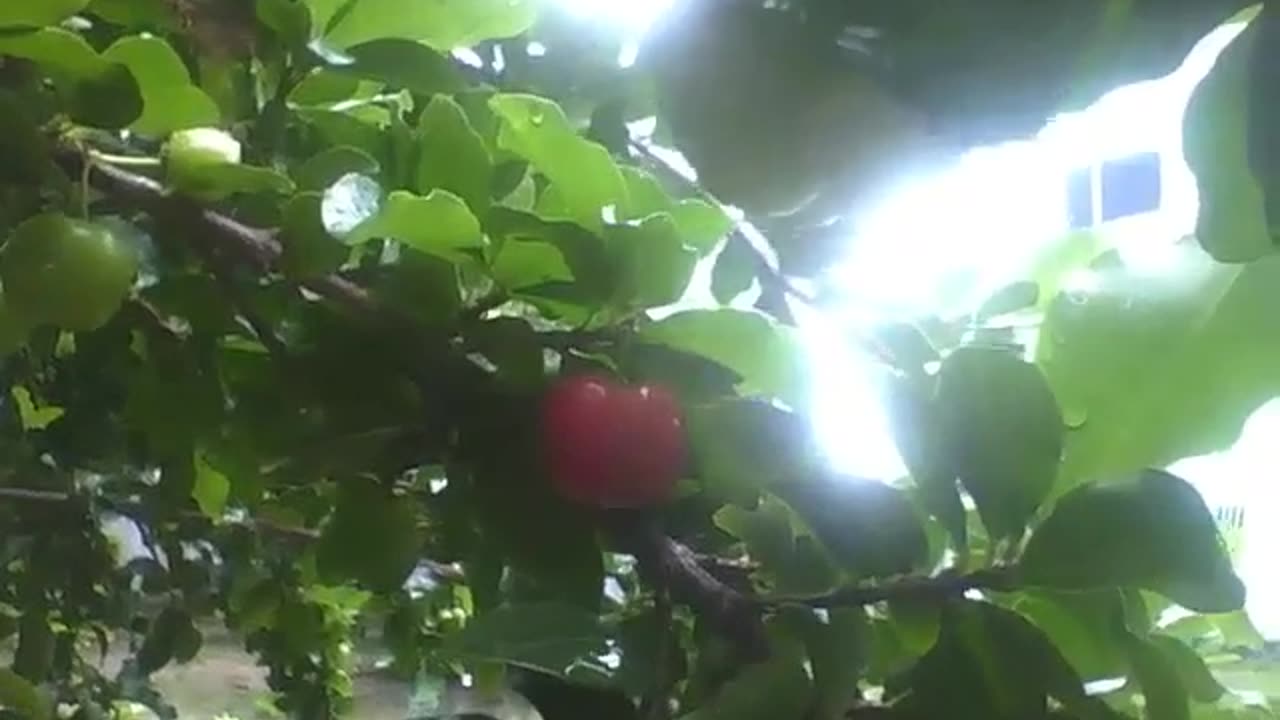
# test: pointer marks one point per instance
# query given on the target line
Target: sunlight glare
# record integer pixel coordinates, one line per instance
(946, 241)
(633, 15)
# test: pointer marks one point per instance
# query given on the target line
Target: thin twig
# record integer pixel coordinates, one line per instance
(936, 587)
(256, 247)
(664, 563)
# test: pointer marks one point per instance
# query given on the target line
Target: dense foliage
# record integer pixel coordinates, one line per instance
(286, 282)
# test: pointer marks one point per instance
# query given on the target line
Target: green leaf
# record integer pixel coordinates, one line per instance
(325, 167)
(224, 179)
(545, 637)
(766, 355)
(1119, 534)
(742, 446)
(308, 249)
(702, 225)
(791, 563)
(734, 272)
(838, 643)
(583, 173)
(1232, 224)
(592, 268)
(512, 345)
(290, 19)
(1114, 355)
(1088, 628)
(169, 100)
(991, 662)
(869, 527)
(39, 13)
(372, 537)
(32, 417)
(442, 24)
(522, 264)
(1059, 262)
(19, 695)
(1166, 696)
(1003, 431)
(437, 224)
(211, 490)
(452, 155)
(656, 266)
(918, 435)
(776, 688)
(646, 194)
(404, 64)
(98, 92)
(1201, 685)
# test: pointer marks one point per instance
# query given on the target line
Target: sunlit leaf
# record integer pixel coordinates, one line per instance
(1115, 355)
(326, 167)
(34, 417)
(452, 156)
(656, 265)
(38, 14)
(211, 490)
(169, 99)
(442, 24)
(100, 93)
(765, 354)
(582, 171)
(438, 223)
(403, 63)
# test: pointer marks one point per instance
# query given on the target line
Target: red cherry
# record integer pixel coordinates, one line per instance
(609, 445)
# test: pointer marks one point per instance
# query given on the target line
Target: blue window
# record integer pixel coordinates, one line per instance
(1115, 189)
(1130, 185)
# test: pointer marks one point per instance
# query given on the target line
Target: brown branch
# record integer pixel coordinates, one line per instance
(256, 247)
(927, 588)
(666, 564)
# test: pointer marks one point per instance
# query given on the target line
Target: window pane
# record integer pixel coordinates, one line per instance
(1130, 185)
(1079, 199)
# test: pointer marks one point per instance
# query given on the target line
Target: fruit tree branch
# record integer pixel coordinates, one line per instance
(666, 564)
(918, 588)
(257, 247)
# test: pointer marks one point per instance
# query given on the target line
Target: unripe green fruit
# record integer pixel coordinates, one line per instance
(190, 154)
(71, 273)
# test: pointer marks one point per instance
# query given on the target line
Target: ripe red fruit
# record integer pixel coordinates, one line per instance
(609, 445)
